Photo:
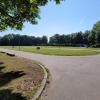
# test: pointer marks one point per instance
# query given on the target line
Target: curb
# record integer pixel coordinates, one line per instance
(43, 84)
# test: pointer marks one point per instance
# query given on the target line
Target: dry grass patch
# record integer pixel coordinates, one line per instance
(19, 78)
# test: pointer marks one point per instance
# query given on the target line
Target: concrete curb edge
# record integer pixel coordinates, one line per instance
(43, 83)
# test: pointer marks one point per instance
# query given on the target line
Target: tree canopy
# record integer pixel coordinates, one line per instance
(13, 13)
(94, 35)
(23, 40)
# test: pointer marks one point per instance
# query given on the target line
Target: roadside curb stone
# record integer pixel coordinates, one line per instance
(43, 84)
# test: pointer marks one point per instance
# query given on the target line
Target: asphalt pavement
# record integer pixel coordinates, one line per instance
(73, 77)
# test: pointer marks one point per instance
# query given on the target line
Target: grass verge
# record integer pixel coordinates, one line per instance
(19, 78)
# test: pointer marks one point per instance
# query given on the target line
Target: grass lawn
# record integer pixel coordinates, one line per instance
(19, 78)
(60, 51)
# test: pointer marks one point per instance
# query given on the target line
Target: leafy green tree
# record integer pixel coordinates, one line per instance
(44, 40)
(5, 40)
(79, 38)
(38, 41)
(68, 40)
(91, 37)
(86, 37)
(53, 40)
(96, 32)
(57, 37)
(22, 40)
(73, 39)
(62, 40)
(13, 13)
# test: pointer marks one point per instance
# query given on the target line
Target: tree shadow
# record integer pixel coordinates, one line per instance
(8, 94)
(9, 76)
(6, 77)
(1, 66)
(1, 63)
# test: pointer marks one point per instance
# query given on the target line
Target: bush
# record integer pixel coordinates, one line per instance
(96, 45)
(38, 48)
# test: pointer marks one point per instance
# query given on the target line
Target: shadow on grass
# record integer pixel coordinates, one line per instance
(1, 66)
(9, 76)
(7, 94)
(1, 63)
(6, 77)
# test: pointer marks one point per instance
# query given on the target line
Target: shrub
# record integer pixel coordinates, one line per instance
(38, 48)
(96, 45)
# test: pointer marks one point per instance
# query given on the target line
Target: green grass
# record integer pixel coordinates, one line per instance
(60, 51)
(19, 78)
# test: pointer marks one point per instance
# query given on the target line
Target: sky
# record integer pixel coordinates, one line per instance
(68, 17)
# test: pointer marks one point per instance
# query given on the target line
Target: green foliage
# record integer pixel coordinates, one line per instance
(44, 40)
(38, 48)
(74, 39)
(96, 31)
(88, 38)
(94, 36)
(13, 13)
(24, 40)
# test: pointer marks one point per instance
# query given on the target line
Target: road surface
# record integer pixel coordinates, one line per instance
(73, 77)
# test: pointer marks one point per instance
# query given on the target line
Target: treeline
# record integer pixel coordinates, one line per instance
(87, 38)
(22, 40)
(74, 39)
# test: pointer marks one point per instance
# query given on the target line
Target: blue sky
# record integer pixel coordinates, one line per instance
(68, 17)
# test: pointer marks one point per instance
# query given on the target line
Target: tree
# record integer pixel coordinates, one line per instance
(38, 41)
(86, 37)
(5, 40)
(68, 40)
(57, 37)
(62, 39)
(53, 40)
(13, 13)
(96, 32)
(73, 39)
(22, 40)
(79, 38)
(44, 40)
(94, 36)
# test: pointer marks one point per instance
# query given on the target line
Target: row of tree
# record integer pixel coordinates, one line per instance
(74, 39)
(87, 38)
(22, 40)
